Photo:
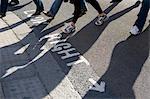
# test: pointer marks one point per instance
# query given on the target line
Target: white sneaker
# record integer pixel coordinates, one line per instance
(68, 28)
(100, 20)
(134, 30)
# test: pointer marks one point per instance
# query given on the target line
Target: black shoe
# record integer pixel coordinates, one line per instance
(115, 1)
(13, 3)
(49, 14)
(2, 15)
(38, 12)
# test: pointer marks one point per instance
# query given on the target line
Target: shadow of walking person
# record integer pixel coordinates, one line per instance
(83, 35)
(18, 6)
(125, 66)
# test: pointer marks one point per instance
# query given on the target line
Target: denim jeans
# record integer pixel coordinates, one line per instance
(57, 4)
(143, 14)
(55, 7)
(4, 5)
(39, 4)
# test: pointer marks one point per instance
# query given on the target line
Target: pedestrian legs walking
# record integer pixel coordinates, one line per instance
(39, 7)
(139, 23)
(57, 4)
(54, 9)
(70, 27)
(4, 5)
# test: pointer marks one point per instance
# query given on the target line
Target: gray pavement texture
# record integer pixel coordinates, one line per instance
(38, 61)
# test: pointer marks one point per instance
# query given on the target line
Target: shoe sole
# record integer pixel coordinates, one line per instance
(102, 22)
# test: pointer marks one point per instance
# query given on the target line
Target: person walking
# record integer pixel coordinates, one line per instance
(70, 27)
(142, 16)
(57, 4)
(39, 7)
(4, 5)
(54, 8)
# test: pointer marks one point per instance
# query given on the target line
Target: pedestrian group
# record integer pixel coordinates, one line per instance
(80, 9)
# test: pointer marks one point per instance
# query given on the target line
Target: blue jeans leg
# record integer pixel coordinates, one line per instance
(55, 7)
(143, 14)
(39, 4)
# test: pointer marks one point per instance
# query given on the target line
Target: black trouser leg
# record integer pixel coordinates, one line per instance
(143, 14)
(77, 10)
(96, 5)
(4, 5)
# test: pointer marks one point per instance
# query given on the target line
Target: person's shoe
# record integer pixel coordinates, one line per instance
(49, 14)
(38, 12)
(115, 1)
(101, 19)
(2, 15)
(134, 30)
(69, 28)
(13, 3)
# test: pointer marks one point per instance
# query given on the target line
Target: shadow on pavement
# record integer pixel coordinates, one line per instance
(34, 50)
(125, 66)
(94, 32)
(33, 56)
(14, 25)
(18, 6)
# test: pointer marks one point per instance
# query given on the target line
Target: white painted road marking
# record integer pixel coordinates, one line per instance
(21, 50)
(97, 87)
(36, 19)
(69, 93)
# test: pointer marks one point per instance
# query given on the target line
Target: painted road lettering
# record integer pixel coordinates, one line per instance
(68, 54)
(64, 49)
(34, 20)
(29, 13)
(38, 20)
(61, 46)
(80, 60)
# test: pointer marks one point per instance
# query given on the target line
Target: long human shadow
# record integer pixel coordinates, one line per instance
(24, 62)
(32, 41)
(18, 6)
(126, 62)
(18, 23)
(85, 38)
(90, 33)
(46, 32)
(29, 39)
(52, 29)
(33, 51)
(71, 38)
(15, 24)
